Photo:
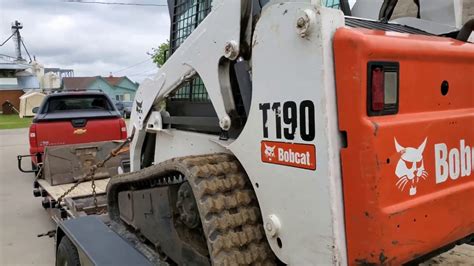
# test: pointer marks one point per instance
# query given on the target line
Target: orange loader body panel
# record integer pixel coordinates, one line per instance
(389, 220)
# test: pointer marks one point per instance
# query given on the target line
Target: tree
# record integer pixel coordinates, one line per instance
(159, 54)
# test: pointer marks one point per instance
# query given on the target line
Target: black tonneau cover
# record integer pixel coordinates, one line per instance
(69, 115)
(66, 115)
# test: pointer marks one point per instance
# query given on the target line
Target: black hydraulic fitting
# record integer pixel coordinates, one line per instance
(36, 192)
(63, 213)
(44, 193)
(46, 203)
(36, 184)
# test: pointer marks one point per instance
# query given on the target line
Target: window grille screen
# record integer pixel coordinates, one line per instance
(192, 90)
(187, 16)
(332, 3)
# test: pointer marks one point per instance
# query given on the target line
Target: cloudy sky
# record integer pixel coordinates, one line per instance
(92, 39)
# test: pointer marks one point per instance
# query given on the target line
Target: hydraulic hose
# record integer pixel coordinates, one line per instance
(466, 31)
(386, 11)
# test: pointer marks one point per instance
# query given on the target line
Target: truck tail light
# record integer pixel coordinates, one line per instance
(123, 129)
(32, 136)
(383, 88)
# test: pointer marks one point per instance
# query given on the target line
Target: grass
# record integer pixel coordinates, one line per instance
(14, 121)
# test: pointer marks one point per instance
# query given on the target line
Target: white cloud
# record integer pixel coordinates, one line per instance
(91, 39)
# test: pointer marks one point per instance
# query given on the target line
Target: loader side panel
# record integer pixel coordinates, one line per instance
(408, 168)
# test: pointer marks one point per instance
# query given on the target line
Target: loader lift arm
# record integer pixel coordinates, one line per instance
(207, 52)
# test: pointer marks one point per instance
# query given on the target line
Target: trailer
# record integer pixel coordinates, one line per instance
(90, 240)
(64, 180)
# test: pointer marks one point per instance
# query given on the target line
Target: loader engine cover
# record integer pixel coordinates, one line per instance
(70, 163)
(407, 169)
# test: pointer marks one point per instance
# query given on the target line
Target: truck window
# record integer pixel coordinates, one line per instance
(78, 103)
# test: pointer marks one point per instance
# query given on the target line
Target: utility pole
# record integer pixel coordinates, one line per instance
(16, 26)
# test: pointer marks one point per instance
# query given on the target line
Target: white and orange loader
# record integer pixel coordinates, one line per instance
(354, 148)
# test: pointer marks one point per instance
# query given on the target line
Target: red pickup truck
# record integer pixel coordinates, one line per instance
(72, 118)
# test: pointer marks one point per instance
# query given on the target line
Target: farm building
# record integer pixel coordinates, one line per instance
(15, 79)
(28, 101)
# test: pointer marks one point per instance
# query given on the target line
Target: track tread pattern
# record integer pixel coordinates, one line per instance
(229, 211)
(227, 204)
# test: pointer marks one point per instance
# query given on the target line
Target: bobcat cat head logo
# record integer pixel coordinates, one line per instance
(269, 152)
(410, 168)
(139, 107)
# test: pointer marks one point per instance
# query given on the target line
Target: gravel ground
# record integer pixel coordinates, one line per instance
(461, 255)
(21, 215)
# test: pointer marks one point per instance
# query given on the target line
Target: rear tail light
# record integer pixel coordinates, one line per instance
(32, 136)
(377, 89)
(383, 88)
(123, 129)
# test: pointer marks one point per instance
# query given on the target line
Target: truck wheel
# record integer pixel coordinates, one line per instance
(67, 254)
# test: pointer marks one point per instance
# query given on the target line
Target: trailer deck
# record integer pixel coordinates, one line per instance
(82, 190)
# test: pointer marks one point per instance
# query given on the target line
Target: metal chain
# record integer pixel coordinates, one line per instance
(40, 172)
(94, 195)
(91, 175)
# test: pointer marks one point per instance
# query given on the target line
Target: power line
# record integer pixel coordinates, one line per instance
(21, 40)
(113, 3)
(132, 66)
(24, 46)
(144, 72)
(9, 38)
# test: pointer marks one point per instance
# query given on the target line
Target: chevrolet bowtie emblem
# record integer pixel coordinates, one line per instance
(80, 131)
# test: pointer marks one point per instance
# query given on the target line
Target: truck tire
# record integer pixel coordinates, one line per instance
(67, 253)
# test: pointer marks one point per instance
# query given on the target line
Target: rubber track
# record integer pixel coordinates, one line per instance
(227, 204)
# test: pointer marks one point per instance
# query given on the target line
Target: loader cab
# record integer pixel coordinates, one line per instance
(190, 105)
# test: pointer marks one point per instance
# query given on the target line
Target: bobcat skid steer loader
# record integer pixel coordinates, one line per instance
(333, 140)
